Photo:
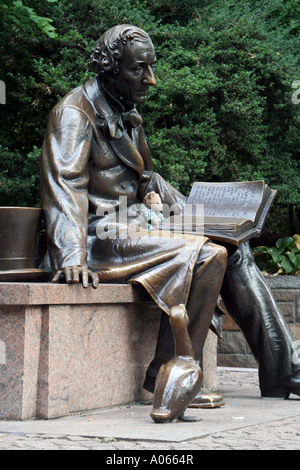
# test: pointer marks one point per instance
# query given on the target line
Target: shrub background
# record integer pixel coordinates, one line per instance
(221, 111)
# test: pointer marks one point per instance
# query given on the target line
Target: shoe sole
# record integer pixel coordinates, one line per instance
(275, 393)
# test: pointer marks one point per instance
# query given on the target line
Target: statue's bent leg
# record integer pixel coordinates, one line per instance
(205, 287)
(179, 380)
(250, 302)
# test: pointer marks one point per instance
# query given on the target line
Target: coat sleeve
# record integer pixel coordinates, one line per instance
(151, 181)
(172, 199)
(64, 181)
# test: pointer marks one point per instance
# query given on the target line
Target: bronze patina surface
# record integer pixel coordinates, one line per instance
(96, 166)
(178, 381)
(19, 244)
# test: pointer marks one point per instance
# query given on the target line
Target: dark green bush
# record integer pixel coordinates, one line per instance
(221, 110)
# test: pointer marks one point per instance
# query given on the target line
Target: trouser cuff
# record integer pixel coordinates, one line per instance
(149, 384)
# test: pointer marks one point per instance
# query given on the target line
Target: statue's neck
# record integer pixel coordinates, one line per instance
(120, 103)
(183, 343)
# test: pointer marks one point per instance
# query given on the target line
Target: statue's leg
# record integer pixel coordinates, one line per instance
(205, 287)
(252, 306)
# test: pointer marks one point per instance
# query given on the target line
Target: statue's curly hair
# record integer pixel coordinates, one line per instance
(108, 51)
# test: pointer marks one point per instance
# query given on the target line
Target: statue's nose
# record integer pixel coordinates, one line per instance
(149, 78)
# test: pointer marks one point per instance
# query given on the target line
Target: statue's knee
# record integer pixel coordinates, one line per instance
(213, 255)
(220, 255)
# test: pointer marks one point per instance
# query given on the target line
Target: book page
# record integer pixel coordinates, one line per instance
(235, 200)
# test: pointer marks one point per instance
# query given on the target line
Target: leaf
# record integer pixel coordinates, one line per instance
(292, 257)
(297, 241)
(275, 254)
(297, 262)
(286, 265)
(284, 243)
(260, 249)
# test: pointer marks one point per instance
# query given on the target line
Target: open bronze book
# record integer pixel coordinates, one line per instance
(232, 212)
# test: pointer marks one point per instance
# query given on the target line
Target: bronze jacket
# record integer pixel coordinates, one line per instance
(90, 158)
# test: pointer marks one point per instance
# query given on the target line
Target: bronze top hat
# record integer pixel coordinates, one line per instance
(19, 243)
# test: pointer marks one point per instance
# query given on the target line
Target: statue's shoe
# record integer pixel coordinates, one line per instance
(283, 390)
(207, 399)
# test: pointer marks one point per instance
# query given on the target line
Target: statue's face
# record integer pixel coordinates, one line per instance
(136, 71)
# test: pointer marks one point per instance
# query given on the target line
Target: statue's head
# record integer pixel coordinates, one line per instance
(124, 58)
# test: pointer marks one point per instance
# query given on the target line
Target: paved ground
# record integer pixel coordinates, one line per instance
(246, 422)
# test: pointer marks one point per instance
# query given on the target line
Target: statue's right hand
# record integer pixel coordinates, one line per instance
(75, 275)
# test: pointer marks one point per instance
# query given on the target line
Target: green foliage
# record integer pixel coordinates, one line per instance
(19, 178)
(222, 107)
(18, 13)
(228, 72)
(284, 258)
(171, 11)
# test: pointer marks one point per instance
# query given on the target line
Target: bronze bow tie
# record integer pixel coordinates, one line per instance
(132, 117)
(114, 124)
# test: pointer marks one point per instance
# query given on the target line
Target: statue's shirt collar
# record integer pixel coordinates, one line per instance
(112, 122)
(111, 110)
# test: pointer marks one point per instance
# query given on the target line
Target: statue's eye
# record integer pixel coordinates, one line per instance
(137, 70)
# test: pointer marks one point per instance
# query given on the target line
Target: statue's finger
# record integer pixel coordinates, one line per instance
(95, 280)
(85, 277)
(68, 274)
(75, 273)
(57, 276)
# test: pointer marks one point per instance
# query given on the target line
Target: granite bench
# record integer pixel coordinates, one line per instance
(65, 349)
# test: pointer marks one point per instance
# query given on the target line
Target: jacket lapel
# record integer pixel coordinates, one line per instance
(116, 135)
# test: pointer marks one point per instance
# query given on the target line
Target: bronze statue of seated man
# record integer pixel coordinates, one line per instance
(94, 158)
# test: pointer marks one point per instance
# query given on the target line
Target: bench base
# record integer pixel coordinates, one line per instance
(65, 349)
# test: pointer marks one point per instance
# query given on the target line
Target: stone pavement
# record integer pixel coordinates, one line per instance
(246, 422)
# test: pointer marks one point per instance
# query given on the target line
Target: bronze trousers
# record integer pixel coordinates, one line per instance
(249, 302)
(205, 287)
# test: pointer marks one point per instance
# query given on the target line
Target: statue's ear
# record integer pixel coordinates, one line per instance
(101, 62)
(105, 65)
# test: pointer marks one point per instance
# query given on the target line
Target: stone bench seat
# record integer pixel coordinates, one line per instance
(65, 349)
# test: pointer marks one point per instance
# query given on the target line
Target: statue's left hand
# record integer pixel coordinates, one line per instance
(75, 275)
